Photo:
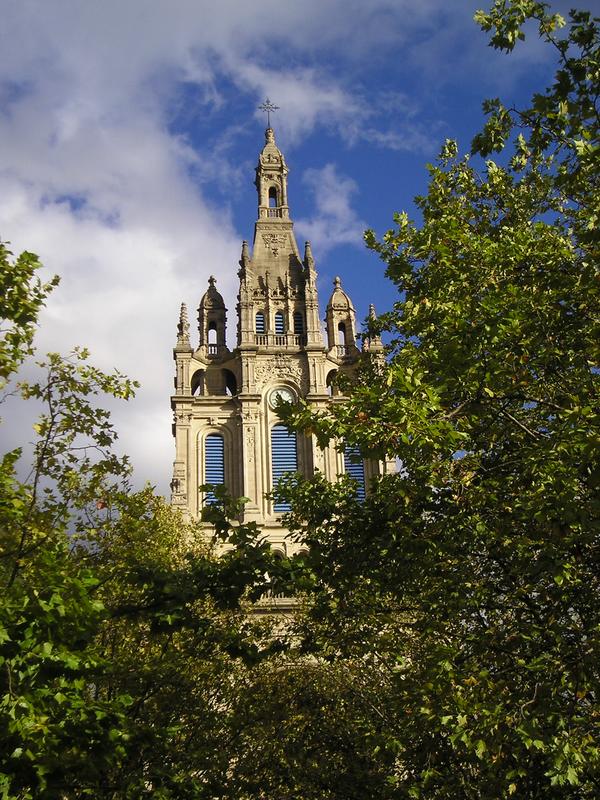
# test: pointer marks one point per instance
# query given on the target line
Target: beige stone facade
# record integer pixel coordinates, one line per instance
(225, 420)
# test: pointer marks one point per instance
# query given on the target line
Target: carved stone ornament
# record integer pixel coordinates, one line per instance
(274, 241)
(279, 367)
(250, 438)
(279, 227)
(178, 484)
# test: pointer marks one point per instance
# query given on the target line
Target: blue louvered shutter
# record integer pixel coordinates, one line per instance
(355, 467)
(298, 322)
(279, 323)
(260, 322)
(214, 462)
(284, 457)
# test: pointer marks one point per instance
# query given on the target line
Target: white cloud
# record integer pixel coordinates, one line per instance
(335, 222)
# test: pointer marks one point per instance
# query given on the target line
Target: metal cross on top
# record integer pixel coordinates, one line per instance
(268, 107)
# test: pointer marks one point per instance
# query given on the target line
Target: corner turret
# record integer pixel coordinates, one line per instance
(212, 316)
(340, 321)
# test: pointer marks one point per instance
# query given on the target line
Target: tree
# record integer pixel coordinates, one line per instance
(118, 626)
(48, 723)
(472, 576)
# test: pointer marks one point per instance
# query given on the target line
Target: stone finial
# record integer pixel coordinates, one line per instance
(337, 282)
(270, 136)
(372, 341)
(245, 252)
(244, 262)
(183, 328)
(211, 280)
(308, 256)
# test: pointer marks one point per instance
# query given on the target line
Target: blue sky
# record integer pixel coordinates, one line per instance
(129, 133)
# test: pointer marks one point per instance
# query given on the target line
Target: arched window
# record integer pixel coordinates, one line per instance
(212, 333)
(298, 322)
(197, 383)
(214, 462)
(341, 333)
(279, 323)
(230, 382)
(354, 466)
(272, 197)
(330, 381)
(284, 457)
(260, 322)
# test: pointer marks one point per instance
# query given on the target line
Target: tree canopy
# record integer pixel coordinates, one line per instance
(472, 574)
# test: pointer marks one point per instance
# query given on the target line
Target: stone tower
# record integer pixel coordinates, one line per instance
(226, 426)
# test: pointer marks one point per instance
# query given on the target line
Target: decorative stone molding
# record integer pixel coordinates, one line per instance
(250, 444)
(274, 241)
(178, 485)
(279, 367)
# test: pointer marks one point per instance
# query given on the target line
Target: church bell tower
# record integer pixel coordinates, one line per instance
(226, 426)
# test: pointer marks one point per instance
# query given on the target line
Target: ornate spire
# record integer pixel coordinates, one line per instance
(340, 321)
(212, 316)
(271, 181)
(183, 329)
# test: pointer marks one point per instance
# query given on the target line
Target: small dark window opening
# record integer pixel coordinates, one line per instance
(341, 333)
(260, 322)
(298, 322)
(272, 197)
(279, 323)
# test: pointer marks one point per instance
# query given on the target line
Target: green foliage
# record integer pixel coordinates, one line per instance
(307, 729)
(561, 128)
(57, 737)
(119, 628)
(22, 295)
(473, 572)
